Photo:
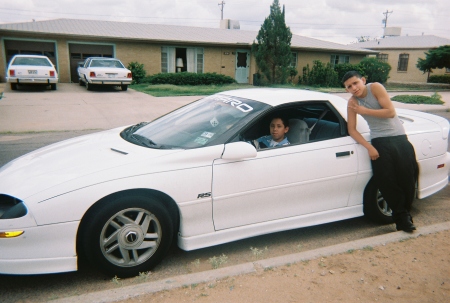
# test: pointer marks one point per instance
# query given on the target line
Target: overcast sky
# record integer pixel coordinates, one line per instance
(332, 20)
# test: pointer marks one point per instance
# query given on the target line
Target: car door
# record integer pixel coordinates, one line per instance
(284, 182)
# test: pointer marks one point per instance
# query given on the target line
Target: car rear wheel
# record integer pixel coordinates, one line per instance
(375, 206)
(80, 82)
(127, 235)
(53, 86)
(13, 86)
(88, 86)
(124, 87)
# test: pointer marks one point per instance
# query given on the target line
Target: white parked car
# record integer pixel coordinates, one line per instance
(120, 197)
(104, 71)
(31, 69)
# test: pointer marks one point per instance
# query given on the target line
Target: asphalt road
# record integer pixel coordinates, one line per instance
(47, 287)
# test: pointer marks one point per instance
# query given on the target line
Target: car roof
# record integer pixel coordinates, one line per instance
(103, 58)
(31, 56)
(279, 96)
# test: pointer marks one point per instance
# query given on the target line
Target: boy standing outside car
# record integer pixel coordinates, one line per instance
(393, 159)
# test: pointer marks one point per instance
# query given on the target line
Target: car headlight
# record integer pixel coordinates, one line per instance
(11, 208)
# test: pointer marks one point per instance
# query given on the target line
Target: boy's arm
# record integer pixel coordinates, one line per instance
(387, 108)
(354, 133)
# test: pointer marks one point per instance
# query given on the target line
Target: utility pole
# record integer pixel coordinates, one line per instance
(221, 9)
(386, 13)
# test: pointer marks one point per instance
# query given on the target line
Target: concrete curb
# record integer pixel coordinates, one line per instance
(133, 291)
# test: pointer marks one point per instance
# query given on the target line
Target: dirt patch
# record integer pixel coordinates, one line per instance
(413, 270)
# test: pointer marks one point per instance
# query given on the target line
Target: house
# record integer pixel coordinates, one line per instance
(161, 48)
(402, 53)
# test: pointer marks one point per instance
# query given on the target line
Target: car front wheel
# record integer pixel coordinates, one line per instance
(127, 235)
(375, 206)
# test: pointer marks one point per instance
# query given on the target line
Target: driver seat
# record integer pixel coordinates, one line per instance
(298, 132)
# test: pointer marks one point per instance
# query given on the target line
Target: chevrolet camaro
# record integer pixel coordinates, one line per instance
(121, 197)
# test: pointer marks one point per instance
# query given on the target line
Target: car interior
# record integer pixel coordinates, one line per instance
(308, 122)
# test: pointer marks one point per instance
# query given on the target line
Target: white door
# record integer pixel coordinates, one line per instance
(284, 182)
(242, 66)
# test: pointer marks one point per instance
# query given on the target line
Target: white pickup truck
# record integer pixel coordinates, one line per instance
(104, 71)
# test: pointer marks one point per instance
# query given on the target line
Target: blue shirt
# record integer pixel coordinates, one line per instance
(269, 142)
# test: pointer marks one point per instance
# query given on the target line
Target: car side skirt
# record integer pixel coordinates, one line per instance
(38, 266)
(242, 232)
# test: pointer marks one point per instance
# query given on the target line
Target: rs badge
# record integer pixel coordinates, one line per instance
(204, 195)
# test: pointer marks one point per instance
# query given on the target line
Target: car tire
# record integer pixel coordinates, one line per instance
(375, 206)
(88, 86)
(13, 86)
(53, 86)
(127, 235)
(80, 82)
(124, 87)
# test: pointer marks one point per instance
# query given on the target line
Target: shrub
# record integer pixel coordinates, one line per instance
(418, 99)
(342, 68)
(137, 71)
(439, 79)
(186, 78)
(320, 75)
(375, 70)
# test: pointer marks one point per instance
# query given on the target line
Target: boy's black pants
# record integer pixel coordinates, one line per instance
(395, 172)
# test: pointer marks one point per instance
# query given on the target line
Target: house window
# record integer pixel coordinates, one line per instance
(403, 62)
(293, 60)
(382, 57)
(192, 59)
(339, 59)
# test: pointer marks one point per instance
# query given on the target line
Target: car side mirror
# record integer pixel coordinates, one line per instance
(238, 151)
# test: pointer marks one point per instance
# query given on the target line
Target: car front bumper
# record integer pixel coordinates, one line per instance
(40, 250)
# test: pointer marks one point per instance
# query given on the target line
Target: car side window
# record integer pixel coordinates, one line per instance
(308, 122)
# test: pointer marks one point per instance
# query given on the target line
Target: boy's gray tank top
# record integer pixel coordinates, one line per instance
(380, 127)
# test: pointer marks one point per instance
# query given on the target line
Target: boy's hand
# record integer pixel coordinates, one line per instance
(373, 153)
(355, 107)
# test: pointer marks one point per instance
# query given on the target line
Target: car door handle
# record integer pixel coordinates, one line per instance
(343, 154)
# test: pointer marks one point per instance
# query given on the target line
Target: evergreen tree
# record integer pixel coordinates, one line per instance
(272, 49)
(436, 58)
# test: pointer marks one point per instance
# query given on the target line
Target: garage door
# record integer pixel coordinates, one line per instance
(15, 47)
(79, 52)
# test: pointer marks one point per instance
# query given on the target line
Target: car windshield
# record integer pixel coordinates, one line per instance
(31, 61)
(107, 63)
(209, 121)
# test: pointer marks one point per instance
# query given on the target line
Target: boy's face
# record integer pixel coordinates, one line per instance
(356, 86)
(277, 129)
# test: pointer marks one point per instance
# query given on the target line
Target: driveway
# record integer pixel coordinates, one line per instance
(74, 108)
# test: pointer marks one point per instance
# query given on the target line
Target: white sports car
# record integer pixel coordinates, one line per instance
(31, 69)
(120, 197)
(104, 71)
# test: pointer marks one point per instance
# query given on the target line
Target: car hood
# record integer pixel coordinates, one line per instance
(71, 159)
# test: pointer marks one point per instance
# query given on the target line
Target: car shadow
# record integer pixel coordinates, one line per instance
(33, 88)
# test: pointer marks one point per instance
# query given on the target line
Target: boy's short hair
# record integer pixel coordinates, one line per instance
(350, 74)
(285, 121)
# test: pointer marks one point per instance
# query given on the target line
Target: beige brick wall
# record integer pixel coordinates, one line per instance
(220, 60)
(145, 53)
(63, 63)
(413, 74)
